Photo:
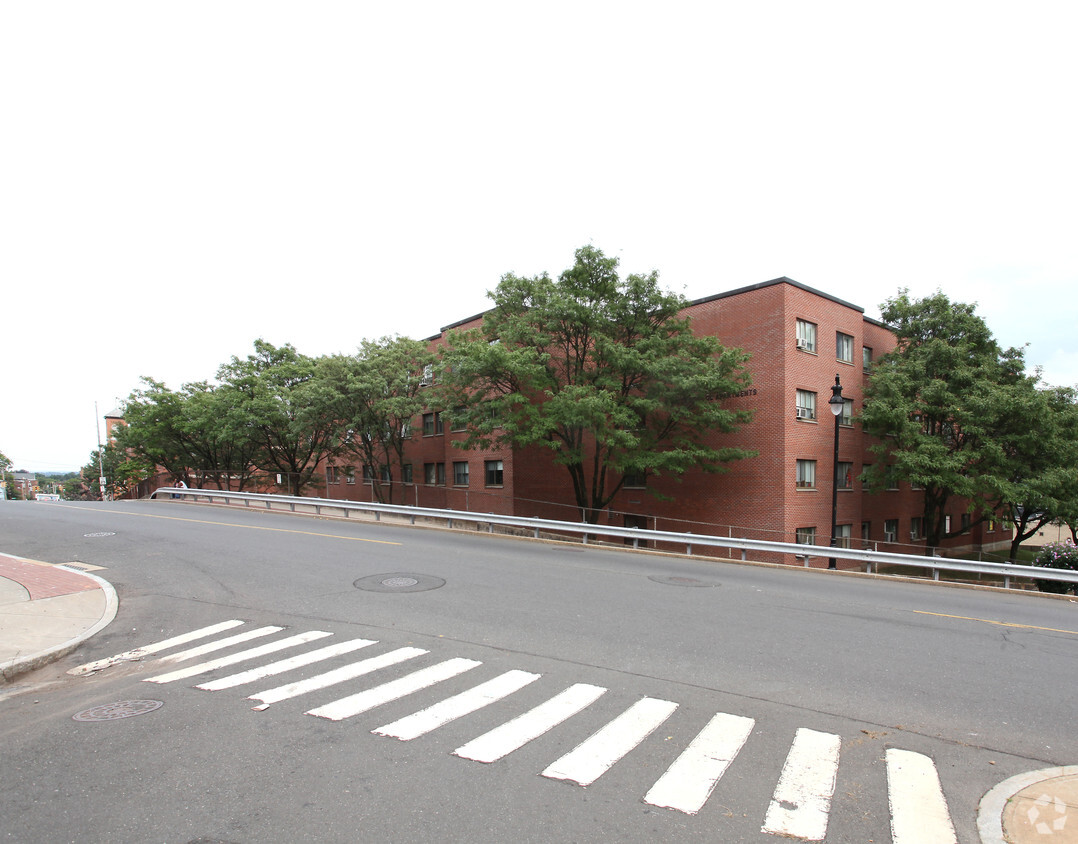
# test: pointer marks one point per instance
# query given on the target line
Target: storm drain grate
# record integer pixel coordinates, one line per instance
(120, 709)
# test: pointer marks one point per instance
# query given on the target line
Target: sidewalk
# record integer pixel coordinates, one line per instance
(47, 611)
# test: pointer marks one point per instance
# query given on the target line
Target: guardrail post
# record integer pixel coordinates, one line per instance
(935, 574)
(377, 516)
(1006, 581)
(743, 557)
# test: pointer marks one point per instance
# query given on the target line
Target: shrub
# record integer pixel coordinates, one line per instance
(1057, 555)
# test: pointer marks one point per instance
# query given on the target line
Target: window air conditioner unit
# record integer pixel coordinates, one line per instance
(804, 413)
(801, 344)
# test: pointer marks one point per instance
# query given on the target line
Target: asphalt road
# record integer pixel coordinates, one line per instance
(980, 683)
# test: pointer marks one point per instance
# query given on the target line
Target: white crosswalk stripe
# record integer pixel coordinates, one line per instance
(688, 783)
(918, 808)
(503, 740)
(352, 705)
(283, 665)
(802, 800)
(465, 703)
(156, 647)
(799, 807)
(242, 656)
(595, 755)
(221, 644)
(338, 675)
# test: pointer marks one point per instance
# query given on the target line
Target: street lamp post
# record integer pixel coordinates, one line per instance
(837, 403)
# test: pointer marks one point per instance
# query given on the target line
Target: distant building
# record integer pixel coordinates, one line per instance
(25, 485)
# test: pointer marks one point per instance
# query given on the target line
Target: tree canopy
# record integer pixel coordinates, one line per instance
(603, 371)
(947, 407)
(279, 405)
(374, 396)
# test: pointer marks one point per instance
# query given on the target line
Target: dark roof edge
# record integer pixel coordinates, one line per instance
(460, 322)
(774, 281)
(877, 322)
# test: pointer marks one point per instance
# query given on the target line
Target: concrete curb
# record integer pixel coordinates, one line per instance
(21, 665)
(993, 804)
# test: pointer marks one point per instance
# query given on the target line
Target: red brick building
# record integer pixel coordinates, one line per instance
(799, 339)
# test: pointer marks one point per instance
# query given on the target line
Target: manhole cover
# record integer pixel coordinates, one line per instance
(100, 533)
(120, 709)
(398, 582)
(680, 581)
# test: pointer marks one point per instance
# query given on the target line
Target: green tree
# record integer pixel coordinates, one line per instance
(945, 407)
(374, 395)
(602, 371)
(280, 403)
(122, 471)
(1043, 483)
(195, 434)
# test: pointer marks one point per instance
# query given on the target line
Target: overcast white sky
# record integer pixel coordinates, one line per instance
(178, 179)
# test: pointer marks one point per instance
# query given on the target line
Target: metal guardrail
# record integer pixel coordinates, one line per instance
(537, 526)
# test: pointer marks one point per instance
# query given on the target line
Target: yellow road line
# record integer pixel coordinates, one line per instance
(231, 524)
(1000, 623)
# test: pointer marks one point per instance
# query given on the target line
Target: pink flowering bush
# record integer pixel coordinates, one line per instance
(1057, 555)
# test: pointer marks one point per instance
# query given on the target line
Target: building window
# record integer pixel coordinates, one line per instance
(845, 476)
(635, 480)
(494, 472)
(457, 420)
(434, 474)
(432, 424)
(460, 473)
(406, 473)
(844, 347)
(891, 478)
(350, 475)
(387, 477)
(846, 417)
(890, 530)
(427, 378)
(843, 535)
(866, 477)
(917, 528)
(946, 524)
(964, 521)
(368, 473)
(806, 474)
(806, 404)
(866, 358)
(806, 336)
(806, 536)
(332, 475)
(866, 531)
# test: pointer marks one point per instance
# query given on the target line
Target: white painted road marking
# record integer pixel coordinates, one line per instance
(338, 675)
(252, 653)
(918, 808)
(346, 707)
(503, 740)
(220, 644)
(802, 798)
(688, 783)
(284, 665)
(799, 807)
(450, 709)
(594, 756)
(156, 647)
